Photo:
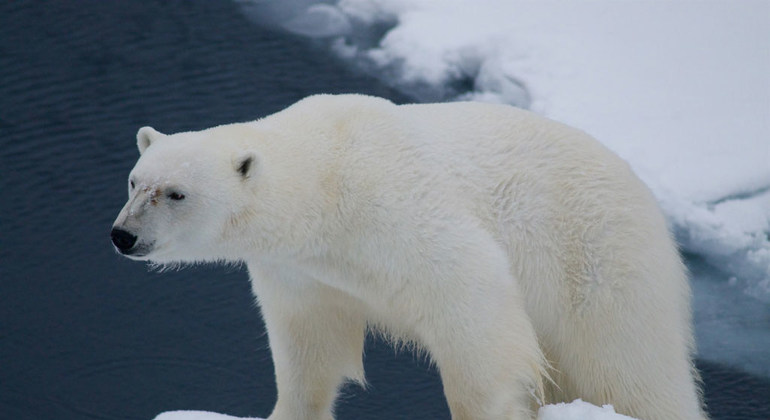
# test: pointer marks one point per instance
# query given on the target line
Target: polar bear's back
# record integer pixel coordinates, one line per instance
(522, 175)
(468, 141)
(532, 182)
(516, 171)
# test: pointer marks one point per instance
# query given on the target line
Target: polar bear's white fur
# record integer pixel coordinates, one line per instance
(526, 258)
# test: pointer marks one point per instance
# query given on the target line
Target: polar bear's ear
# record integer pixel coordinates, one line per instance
(146, 136)
(246, 163)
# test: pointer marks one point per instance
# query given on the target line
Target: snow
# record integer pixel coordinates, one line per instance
(579, 410)
(199, 415)
(576, 410)
(680, 89)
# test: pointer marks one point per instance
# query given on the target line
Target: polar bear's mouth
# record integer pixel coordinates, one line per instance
(138, 252)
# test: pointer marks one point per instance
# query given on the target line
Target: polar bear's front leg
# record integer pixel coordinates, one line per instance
(491, 367)
(474, 324)
(316, 338)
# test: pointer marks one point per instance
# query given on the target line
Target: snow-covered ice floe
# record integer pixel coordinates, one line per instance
(576, 410)
(680, 89)
(199, 415)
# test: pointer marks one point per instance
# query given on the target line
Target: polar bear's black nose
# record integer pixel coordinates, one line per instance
(122, 239)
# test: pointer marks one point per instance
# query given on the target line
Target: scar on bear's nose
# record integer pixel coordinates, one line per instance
(122, 239)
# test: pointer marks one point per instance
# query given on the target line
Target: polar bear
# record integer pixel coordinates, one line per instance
(522, 255)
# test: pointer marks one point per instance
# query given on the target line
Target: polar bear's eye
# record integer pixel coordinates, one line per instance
(132, 184)
(175, 196)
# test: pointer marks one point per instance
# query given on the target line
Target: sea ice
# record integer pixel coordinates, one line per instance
(576, 410)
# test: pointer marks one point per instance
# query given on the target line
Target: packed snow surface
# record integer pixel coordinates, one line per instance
(576, 410)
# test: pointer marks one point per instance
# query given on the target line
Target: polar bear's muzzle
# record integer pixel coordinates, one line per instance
(125, 243)
(123, 240)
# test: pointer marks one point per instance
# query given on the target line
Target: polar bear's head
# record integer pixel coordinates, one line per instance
(190, 196)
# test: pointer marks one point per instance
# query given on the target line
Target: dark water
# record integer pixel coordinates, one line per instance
(85, 334)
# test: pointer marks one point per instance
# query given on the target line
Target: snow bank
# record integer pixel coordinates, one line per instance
(198, 415)
(579, 410)
(680, 89)
(576, 410)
